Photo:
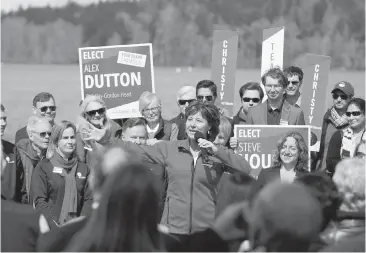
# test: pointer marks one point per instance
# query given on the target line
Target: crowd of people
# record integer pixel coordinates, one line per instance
(152, 184)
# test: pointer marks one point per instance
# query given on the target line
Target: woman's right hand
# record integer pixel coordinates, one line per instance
(233, 142)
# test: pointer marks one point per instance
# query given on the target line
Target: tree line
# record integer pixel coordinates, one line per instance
(181, 31)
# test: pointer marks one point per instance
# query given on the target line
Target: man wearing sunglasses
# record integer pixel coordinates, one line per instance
(276, 110)
(44, 106)
(294, 76)
(30, 151)
(206, 91)
(185, 96)
(334, 119)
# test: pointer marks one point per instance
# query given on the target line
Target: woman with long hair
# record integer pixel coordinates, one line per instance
(59, 187)
(290, 160)
(93, 124)
(349, 142)
(127, 217)
(194, 167)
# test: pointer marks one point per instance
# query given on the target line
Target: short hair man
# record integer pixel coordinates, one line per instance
(44, 106)
(334, 119)
(134, 130)
(185, 96)
(31, 151)
(276, 110)
(251, 94)
(206, 91)
(294, 76)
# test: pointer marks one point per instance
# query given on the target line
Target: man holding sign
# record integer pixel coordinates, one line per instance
(276, 110)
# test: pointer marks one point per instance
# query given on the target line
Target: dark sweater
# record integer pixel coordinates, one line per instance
(21, 134)
(48, 189)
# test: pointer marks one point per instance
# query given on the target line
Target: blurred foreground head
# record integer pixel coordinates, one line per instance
(349, 177)
(285, 217)
(128, 215)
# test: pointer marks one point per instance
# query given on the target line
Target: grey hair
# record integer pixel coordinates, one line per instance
(33, 121)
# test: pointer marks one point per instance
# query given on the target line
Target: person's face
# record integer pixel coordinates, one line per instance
(67, 142)
(3, 123)
(294, 85)
(152, 113)
(340, 99)
(289, 152)
(95, 113)
(250, 98)
(274, 89)
(205, 95)
(45, 109)
(355, 117)
(196, 123)
(184, 101)
(221, 139)
(41, 135)
(136, 134)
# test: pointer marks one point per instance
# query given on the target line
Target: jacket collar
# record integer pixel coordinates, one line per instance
(25, 146)
(161, 127)
(241, 115)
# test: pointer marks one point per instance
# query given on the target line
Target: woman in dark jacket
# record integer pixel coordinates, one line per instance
(290, 161)
(59, 187)
(192, 174)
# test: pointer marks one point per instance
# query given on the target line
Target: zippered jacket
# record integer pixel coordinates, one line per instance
(192, 187)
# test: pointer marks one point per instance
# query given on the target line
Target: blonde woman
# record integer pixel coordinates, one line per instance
(157, 127)
(93, 124)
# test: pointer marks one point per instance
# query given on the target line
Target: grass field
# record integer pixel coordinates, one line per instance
(20, 83)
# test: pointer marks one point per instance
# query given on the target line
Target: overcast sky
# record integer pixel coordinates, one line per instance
(8, 5)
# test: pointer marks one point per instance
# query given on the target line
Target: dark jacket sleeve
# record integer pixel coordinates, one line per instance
(334, 151)
(39, 193)
(22, 194)
(229, 158)
(206, 241)
(88, 199)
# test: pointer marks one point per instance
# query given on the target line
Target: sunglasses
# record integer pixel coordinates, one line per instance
(45, 108)
(294, 82)
(343, 97)
(355, 113)
(255, 100)
(94, 112)
(183, 102)
(43, 134)
(207, 98)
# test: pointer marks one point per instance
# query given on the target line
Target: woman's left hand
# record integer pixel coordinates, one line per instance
(208, 145)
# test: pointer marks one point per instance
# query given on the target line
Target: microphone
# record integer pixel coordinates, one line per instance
(197, 136)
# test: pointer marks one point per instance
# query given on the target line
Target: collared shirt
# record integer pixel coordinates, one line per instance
(273, 114)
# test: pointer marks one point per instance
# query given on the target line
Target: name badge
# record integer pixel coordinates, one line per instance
(283, 122)
(80, 175)
(57, 170)
(8, 160)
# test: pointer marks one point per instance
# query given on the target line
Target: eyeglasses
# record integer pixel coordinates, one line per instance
(343, 97)
(255, 100)
(92, 113)
(207, 98)
(355, 113)
(183, 102)
(276, 86)
(43, 134)
(151, 110)
(45, 108)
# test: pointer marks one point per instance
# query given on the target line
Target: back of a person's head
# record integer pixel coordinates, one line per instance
(285, 217)
(128, 215)
(322, 187)
(242, 186)
(349, 177)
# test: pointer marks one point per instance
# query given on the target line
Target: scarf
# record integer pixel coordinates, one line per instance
(101, 136)
(69, 204)
(350, 142)
(336, 119)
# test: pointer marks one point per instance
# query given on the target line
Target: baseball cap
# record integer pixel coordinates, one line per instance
(346, 87)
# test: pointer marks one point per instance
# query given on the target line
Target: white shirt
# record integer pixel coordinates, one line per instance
(152, 131)
(195, 156)
(287, 175)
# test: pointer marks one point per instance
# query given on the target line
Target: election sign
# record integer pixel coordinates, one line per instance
(223, 66)
(119, 75)
(258, 143)
(272, 50)
(313, 93)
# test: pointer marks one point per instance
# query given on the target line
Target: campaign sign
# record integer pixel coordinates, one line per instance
(223, 67)
(119, 75)
(258, 143)
(272, 50)
(314, 91)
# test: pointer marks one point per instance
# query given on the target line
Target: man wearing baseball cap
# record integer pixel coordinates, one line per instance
(334, 119)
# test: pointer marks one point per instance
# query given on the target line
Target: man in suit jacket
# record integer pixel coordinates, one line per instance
(276, 110)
